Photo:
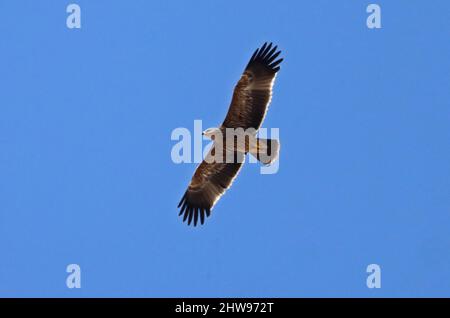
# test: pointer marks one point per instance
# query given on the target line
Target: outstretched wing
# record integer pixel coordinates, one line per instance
(253, 92)
(209, 183)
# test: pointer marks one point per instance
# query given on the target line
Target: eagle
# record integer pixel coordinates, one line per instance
(251, 98)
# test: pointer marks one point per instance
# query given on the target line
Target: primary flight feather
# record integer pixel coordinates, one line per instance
(251, 98)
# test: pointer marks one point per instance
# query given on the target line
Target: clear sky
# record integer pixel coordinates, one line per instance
(86, 175)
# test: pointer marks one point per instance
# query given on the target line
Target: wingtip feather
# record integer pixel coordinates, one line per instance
(267, 56)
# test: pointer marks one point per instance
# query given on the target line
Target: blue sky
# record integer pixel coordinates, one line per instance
(87, 178)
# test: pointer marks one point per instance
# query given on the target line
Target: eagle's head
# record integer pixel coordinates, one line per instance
(211, 133)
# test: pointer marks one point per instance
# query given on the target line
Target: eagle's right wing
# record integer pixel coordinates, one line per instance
(253, 92)
(210, 181)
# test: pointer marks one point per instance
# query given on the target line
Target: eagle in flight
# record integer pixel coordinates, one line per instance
(251, 98)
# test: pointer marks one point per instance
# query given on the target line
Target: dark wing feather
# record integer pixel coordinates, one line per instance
(209, 183)
(253, 92)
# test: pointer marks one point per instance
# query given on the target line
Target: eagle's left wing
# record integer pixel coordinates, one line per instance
(253, 92)
(210, 181)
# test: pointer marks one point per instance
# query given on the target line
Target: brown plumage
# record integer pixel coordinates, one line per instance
(251, 98)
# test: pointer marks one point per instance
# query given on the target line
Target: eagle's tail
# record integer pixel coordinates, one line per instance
(266, 150)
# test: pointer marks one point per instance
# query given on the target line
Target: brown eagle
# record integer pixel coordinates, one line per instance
(251, 98)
